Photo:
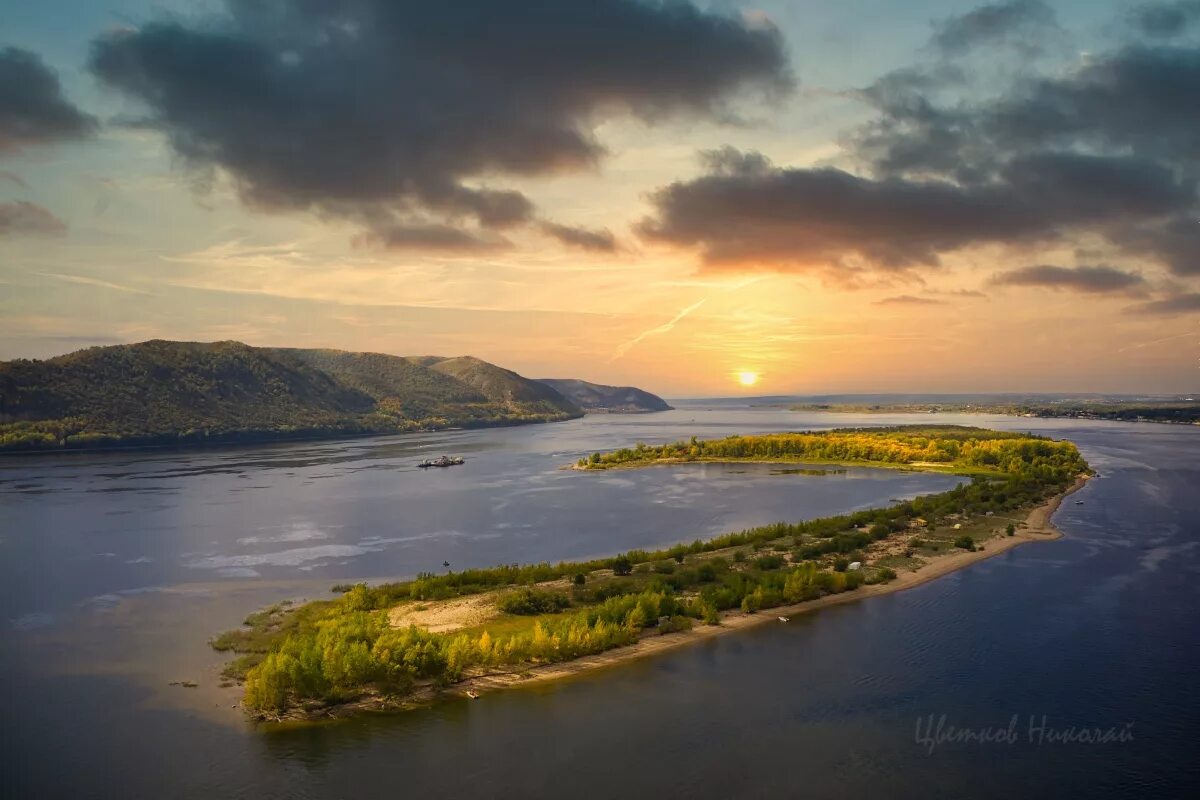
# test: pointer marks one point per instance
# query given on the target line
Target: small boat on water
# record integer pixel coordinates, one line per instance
(471, 693)
(785, 619)
(442, 461)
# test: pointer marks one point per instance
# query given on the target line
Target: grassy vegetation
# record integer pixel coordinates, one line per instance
(337, 651)
(179, 393)
(954, 448)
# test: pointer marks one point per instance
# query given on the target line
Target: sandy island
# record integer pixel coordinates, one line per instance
(1036, 527)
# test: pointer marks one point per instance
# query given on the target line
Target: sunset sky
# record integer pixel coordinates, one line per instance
(839, 197)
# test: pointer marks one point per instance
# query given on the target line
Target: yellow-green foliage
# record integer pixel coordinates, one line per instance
(349, 651)
(952, 446)
(336, 651)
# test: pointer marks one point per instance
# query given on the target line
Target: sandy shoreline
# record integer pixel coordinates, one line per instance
(1035, 528)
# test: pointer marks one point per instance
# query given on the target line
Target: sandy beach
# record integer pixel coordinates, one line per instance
(1035, 528)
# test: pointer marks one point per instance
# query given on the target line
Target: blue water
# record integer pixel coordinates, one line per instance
(1097, 630)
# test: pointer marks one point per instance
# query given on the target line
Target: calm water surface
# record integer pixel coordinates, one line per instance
(115, 568)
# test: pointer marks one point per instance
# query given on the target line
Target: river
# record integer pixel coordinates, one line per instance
(115, 568)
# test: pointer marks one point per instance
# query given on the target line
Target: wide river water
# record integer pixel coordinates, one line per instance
(116, 568)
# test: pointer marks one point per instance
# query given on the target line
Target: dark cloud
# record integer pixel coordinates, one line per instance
(383, 110)
(909, 300)
(746, 211)
(1022, 23)
(1165, 20)
(1100, 279)
(1139, 99)
(1174, 241)
(430, 237)
(601, 241)
(33, 110)
(22, 218)
(1181, 303)
(1106, 152)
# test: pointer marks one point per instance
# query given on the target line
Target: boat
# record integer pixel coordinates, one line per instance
(471, 693)
(784, 619)
(442, 461)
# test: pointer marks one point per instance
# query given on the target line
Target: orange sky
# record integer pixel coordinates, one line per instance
(147, 254)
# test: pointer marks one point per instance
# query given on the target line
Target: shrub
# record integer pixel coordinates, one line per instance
(621, 565)
(965, 542)
(580, 579)
(769, 562)
(882, 576)
(1011, 529)
(664, 567)
(841, 564)
(675, 624)
(528, 601)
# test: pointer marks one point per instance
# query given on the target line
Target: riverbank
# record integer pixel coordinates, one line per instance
(255, 438)
(915, 466)
(395, 642)
(1036, 526)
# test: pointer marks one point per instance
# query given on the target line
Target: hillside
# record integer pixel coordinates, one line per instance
(598, 397)
(500, 385)
(162, 392)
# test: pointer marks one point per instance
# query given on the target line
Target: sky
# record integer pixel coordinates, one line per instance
(833, 197)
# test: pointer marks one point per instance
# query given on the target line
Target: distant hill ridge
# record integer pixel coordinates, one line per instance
(165, 392)
(598, 397)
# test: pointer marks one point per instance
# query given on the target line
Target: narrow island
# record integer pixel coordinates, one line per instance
(400, 645)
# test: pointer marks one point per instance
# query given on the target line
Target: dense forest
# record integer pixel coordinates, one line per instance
(611, 399)
(161, 392)
(951, 447)
(336, 651)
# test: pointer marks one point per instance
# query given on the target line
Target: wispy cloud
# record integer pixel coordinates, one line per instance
(86, 281)
(909, 300)
(1140, 345)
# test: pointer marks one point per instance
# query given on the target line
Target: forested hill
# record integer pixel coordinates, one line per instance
(162, 392)
(598, 397)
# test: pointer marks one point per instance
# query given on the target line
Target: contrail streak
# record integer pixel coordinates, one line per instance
(664, 328)
(1156, 341)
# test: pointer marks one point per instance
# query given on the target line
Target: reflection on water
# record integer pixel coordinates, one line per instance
(115, 568)
(809, 471)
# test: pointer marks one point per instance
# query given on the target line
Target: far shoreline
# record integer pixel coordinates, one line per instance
(257, 439)
(1036, 527)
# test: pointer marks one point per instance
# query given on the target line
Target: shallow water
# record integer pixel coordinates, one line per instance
(115, 568)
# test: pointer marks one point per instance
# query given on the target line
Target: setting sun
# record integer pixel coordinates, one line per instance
(747, 378)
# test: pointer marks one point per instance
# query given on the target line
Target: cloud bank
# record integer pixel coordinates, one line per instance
(33, 109)
(398, 114)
